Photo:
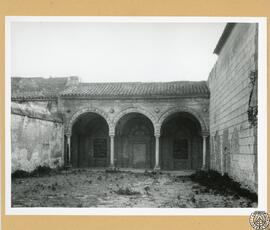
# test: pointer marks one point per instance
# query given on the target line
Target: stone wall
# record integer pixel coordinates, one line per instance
(36, 137)
(233, 137)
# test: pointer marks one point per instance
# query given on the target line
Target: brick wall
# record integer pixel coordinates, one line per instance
(233, 140)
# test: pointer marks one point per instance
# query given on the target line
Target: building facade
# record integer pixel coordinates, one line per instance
(131, 125)
(61, 121)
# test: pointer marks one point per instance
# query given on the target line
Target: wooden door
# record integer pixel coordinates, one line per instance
(139, 152)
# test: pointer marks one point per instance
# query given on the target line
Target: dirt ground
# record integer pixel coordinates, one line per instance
(89, 188)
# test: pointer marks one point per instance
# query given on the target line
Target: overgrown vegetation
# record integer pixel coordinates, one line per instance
(152, 173)
(127, 191)
(97, 188)
(20, 174)
(39, 171)
(113, 170)
(224, 185)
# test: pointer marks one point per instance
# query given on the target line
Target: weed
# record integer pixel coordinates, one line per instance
(222, 184)
(127, 191)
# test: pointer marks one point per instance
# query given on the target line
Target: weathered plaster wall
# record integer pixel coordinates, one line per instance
(36, 137)
(233, 138)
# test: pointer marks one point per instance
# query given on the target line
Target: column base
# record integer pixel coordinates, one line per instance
(112, 167)
(204, 168)
(68, 166)
(156, 169)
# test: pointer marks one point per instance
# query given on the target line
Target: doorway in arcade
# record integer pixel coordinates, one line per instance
(90, 142)
(181, 143)
(135, 142)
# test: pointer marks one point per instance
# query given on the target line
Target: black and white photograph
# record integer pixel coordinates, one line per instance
(136, 113)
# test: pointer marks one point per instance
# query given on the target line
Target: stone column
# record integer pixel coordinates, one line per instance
(69, 150)
(204, 136)
(157, 166)
(112, 151)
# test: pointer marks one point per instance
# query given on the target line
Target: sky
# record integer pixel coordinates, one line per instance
(114, 51)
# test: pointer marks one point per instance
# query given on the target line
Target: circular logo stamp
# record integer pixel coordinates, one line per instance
(259, 220)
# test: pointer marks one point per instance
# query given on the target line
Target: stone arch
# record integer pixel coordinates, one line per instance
(173, 110)
(142, 111)
(81, 111)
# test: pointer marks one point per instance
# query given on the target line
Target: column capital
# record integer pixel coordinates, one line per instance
(111, 129)
(204, 133)
(157, 135)
(112, 134)
(68, 135)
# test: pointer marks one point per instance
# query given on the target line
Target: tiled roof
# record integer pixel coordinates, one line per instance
(46, 88)
(139, 89)
(39, 88)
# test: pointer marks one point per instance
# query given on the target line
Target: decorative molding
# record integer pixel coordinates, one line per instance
(140, 110)
(205, 109)
(83, 110)
(157, 122)
(173, 110)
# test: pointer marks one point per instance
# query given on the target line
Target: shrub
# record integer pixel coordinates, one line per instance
(127, 191)
(39, 171)
(222, 183)
(20, 174)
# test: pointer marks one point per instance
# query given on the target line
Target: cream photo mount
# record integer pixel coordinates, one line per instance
(262, 120)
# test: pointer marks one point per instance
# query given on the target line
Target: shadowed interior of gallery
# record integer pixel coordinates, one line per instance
(181, 142)
(90, 142)
(134, 143)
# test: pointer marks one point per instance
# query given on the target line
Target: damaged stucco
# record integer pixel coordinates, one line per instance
(36, 136)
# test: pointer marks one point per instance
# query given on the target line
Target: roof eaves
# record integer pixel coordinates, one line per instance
(16, 98)
(153, 96)
(222, 40)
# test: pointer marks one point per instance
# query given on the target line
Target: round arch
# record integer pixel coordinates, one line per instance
(174, 110)
(78, 113)
(144, 112)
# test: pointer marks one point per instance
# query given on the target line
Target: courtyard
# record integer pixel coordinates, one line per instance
(120, 189)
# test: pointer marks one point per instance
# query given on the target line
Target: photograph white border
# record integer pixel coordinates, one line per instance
(262, 120)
